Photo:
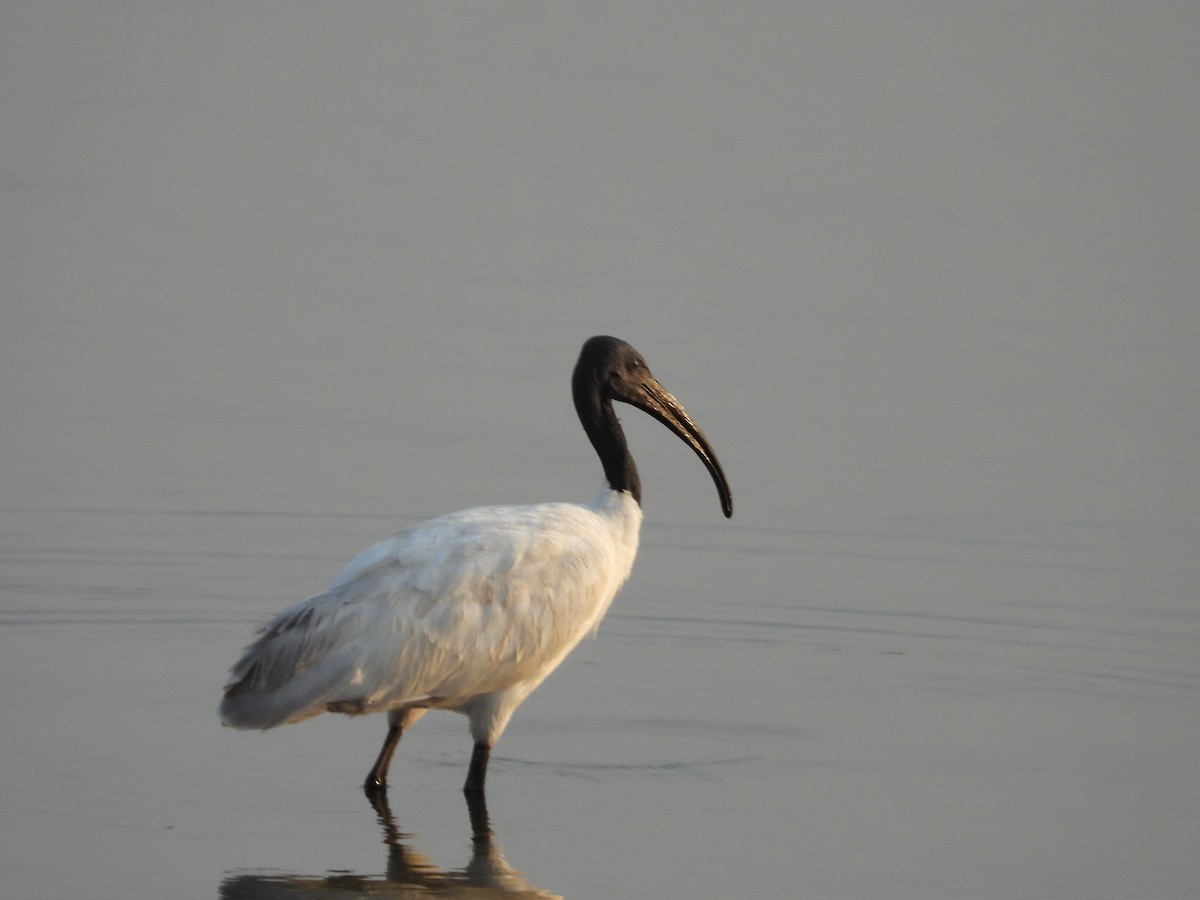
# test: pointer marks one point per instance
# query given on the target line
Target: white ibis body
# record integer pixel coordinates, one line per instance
(469, 611)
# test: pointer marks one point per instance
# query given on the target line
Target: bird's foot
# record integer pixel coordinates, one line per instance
(373, 787)
(377, 796)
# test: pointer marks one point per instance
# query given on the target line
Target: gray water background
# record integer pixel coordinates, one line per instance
(279, 279)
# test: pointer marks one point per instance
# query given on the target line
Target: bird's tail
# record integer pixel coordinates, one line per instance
(291, 673)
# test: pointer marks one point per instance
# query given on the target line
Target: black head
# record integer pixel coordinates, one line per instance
(610, 369)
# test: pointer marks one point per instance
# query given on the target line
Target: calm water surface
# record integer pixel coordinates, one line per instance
(277, 281)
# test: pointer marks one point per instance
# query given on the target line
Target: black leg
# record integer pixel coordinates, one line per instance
(477, 811)
(478, 770)
(376, 782)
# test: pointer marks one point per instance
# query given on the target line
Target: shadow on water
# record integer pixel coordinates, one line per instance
(408, 873)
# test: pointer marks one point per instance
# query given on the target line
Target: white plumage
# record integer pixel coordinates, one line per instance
(472, 610)
(468, 612)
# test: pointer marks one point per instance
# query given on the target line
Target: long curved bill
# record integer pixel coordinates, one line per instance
(654, 399)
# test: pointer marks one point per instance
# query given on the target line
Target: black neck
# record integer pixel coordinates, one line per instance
(604, 431)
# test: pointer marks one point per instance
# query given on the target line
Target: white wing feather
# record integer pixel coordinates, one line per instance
(470, 604)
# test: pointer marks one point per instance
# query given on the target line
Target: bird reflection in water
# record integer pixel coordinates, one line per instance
(409, 874)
